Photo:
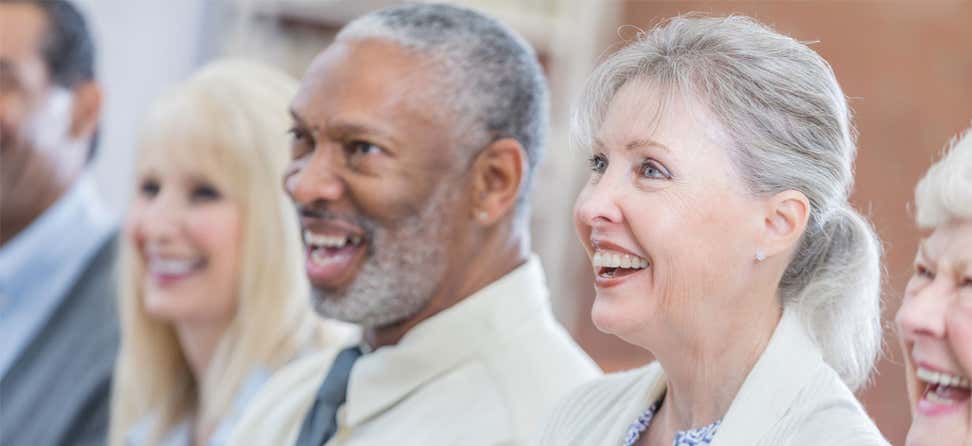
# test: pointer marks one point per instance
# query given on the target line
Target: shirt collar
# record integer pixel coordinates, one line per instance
(59, 242)
(782, 371)
(386, 376)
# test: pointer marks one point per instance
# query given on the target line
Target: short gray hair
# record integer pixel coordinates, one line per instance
(494, 83)
(787, 126)
(945, 193)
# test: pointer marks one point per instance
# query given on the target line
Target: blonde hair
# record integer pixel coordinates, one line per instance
(230, 122)
(945, 193)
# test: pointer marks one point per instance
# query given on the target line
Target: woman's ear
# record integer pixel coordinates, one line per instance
(498, 175)
(784, 221)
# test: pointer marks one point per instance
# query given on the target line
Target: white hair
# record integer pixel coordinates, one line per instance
(492, 81)
(787, 126)
(945, 193)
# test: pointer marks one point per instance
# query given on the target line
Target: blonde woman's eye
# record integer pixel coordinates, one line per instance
(149, 188)
(205, 192)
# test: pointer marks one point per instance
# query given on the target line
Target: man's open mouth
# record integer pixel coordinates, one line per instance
(333, 256)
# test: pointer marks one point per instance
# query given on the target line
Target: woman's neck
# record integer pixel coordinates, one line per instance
(704, 378)
(199, 342)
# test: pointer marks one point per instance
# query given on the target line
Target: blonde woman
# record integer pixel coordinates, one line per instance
(212, 298)
(935, 318)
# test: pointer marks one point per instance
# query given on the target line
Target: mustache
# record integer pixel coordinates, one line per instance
(322, 213)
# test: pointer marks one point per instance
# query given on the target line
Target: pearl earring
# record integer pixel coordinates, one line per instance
(760, 255)
(482, 215)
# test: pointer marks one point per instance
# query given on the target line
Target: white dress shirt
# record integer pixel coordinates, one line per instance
(483, 372)
(791, 397)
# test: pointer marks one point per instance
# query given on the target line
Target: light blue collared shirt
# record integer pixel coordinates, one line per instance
(39, 265)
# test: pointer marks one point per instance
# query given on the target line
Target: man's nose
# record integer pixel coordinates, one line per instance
(317, 178)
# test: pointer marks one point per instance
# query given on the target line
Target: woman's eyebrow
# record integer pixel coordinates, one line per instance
(634, 144)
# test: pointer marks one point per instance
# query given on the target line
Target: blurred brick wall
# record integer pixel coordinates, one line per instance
(907, 67)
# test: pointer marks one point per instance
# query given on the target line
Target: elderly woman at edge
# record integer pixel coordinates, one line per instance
(720, 235)
(935, 318)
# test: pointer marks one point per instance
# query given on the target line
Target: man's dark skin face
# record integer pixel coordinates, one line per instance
(372, 150)
(45, 129)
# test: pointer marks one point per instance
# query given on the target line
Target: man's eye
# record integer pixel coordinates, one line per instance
(598, 163)
(149, 188)
(362, 148)
(298, 134)
(205, 192)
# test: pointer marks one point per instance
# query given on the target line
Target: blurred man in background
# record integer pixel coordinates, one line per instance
(56, 240)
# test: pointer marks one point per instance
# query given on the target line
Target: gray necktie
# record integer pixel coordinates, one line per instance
(321, 422)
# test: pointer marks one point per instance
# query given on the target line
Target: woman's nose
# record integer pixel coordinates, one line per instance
(923, 312)
(598, 203)
(159, 218)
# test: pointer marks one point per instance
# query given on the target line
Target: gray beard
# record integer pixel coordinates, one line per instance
(404, 267)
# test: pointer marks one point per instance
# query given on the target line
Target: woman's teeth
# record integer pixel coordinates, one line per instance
(172, 267)
(326, 241)
(609, 259)
(942, 379)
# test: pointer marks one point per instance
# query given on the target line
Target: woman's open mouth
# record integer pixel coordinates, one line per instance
(610, 266)
(942, 393)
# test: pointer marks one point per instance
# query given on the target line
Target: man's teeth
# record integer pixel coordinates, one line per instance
(327, 241)
(172, 267)
(609, 259)
(942, 379)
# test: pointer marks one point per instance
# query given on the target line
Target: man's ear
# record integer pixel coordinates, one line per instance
(498, 174)
(785, 219)
(86, 109)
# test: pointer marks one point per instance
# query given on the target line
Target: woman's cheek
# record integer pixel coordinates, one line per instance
(959, 328)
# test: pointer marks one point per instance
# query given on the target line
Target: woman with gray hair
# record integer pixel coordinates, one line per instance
(718, 227)
(935, 318)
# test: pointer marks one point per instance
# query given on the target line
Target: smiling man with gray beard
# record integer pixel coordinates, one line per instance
(415, 138)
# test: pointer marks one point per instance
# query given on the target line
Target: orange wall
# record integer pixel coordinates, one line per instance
(907, 67)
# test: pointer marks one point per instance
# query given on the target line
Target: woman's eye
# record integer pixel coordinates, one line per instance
(923, 272)
(205, 192)
(967, 282)
(149, 188)
(598, 163)
(652, 169)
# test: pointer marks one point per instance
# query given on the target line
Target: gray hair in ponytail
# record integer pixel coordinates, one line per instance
(786, 123)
